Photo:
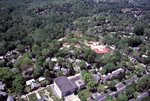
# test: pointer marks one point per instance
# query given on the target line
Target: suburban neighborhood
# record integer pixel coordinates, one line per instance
(78, 50)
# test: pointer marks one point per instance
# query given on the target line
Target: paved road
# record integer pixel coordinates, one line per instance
(120, 89)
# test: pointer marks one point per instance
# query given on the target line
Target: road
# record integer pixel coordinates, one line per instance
(120, 89)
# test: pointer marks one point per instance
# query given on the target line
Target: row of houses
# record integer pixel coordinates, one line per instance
(107, 77)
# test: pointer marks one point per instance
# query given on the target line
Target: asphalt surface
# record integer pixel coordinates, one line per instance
(120, 89)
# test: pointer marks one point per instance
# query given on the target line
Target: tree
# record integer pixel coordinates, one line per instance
(46, 64)
(48, 75)
(91, 85)
(2, 63)
(82, 64)
(51, 65)
(45, 52)
(26, 63)
(111, 85)
(108, 97)
(83, 72)
(143, 84)
(86, 77)
(130, 92)
(35, 48)
(109, 67)
(122, 97)
(59, 73)
(37, 71)
(17, 83)
(83, 99)
(6, 75)
(21, 48)
(139, 29)
(59, 60)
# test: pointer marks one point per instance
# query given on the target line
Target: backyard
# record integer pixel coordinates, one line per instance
(84, 93)
(32, 97)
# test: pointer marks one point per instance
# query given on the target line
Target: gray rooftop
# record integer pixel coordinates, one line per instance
(73, 80)
(63, 83)
(10, 98)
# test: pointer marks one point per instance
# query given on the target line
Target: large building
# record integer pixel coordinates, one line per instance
(65, 86)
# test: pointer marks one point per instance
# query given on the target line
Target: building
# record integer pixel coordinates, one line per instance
(33, 59)
(35, 86)
(54, 59)
(65, 71)
(2, 86)
(96, 77)
(70, 60)
(56, 68)
(10, 98)
(48, 59)
(1, 57)
(65, 86)
(29, 82)
(13, 60)
(143, 95)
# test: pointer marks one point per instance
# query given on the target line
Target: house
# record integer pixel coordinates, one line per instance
(14, 52)
(65, 71)
(3, 93)
(35, 86)
(100, 68)
(56, 68)
(33, 59)
(13, 60)
(29, 82)
(72, 98)
(10, 98)
(144, 56)
(135, 48)
(65, 86)
(77, 60)
(42, 99)
(70, 60)
(54, 59)
(96, 77)
(2, 86)
(143, 95)
(48, 59)
(19, 57)
(8, 54)
(1, 57)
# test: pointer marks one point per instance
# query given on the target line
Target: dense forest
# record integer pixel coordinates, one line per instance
(33, 21)
(30, 31)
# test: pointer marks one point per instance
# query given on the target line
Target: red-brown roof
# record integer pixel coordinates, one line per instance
(104, 50)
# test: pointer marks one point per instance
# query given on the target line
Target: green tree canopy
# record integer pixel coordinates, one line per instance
(86, 77)
(122, 97)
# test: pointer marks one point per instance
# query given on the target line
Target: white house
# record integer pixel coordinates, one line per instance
(65, 86)
(29, 82)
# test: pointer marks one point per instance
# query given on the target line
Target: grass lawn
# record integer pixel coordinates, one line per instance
(84, 93)
(32, 97)
(139, 67)
(130, 75)
(100, 87)
(42, 92)
(12, 94)
(27, 89)
(117, 80)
